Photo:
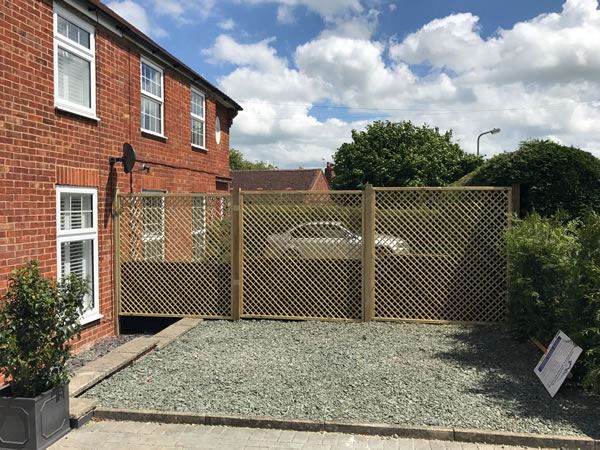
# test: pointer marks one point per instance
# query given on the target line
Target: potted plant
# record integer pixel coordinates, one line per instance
(38, 320)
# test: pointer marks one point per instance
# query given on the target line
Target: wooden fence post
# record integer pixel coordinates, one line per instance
(237, 236)
(368, 241)
(117, 260)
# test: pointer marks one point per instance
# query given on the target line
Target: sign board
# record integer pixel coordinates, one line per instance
(558, 361)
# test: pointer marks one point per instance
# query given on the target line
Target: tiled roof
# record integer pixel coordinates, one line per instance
(275, 180)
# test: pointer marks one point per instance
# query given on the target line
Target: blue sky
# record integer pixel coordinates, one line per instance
(528, 66)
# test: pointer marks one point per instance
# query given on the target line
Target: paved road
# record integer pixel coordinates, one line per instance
(137, 435)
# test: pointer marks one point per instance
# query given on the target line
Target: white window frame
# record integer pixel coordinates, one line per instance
(201, 118)
(88, 54)
(85, 234)
(160, 100)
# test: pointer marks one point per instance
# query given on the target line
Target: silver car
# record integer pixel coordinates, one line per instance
(327, 240)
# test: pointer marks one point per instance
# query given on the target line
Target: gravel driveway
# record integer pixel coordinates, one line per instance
(470, 377)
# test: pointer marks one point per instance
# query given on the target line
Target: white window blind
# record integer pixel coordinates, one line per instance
(77, 257)
(75, 211)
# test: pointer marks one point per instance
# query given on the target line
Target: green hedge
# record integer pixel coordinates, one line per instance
(554, 270)
(552, 177)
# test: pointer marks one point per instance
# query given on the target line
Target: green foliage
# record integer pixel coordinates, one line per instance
(38, 319)
(552, 177)
(238, 162)
(589, 261)
(400, 154)
(554, 272)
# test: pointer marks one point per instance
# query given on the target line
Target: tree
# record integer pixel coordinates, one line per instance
(238, 162)
(400, 154)
(552, 177)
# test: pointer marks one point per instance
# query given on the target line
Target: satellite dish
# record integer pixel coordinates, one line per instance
(128, 158)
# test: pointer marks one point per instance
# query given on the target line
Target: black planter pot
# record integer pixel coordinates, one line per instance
(33, 423)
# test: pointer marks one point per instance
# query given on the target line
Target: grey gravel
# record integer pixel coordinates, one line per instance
(98, 350)
(468, 377)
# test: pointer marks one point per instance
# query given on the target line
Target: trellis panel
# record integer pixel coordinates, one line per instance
(292, 273)
(455, 269)
(174, 255)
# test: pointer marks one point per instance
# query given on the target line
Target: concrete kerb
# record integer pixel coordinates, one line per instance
(102, 368)
(383, 429)
(403, 431)
(526, 439)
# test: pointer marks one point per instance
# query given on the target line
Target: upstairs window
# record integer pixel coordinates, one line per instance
(198, 127)
(151, 78)
(74, 64)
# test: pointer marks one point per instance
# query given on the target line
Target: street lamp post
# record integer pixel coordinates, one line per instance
(492, 131)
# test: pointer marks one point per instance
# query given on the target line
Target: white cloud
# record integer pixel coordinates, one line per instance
(328, 9)
(537, 79)
(227, 24)
(285, 14)
(550, 48)
(137, 16)
(259, 55)
(184, 12)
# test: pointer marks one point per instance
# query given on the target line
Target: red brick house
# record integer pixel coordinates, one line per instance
(76, 83)
(279, 180)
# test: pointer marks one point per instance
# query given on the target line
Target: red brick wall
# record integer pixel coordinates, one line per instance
(41, 147)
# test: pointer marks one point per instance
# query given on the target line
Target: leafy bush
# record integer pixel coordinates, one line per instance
(38, 318)
(552, 177)
(589, 261)
(554, 272)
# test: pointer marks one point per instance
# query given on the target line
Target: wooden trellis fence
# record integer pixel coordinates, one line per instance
(420, 254)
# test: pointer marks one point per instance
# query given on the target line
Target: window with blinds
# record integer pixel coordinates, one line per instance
(74, 64)
(198, 101)
(77, 241)
(151, 78)
(76, 211)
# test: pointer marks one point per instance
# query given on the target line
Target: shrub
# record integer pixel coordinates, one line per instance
(554, 272)
(38, 319)
(589, 336)
(552, 177)
(543, 275)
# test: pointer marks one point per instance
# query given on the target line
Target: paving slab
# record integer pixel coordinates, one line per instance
(174, 331)
(130, 435)
(81, 411)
